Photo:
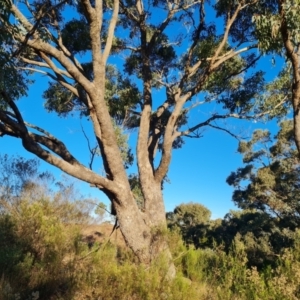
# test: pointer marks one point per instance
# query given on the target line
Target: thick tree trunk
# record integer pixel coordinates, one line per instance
(134, 228)
(155, 209)
(156, 217)
(146, 232)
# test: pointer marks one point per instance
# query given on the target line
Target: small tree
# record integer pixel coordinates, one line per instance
(272, 170)
(192, 219)
(189, 214)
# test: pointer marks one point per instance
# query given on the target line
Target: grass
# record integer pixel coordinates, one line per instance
(42, 258)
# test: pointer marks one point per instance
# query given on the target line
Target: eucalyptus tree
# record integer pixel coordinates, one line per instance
(192, 219)
(278, 30)
(267, 189)
(272, 172)
(169, 57)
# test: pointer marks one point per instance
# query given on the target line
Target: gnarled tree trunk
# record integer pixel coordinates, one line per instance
(145, 230)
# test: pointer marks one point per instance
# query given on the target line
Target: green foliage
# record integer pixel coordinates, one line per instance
(189, 214)
(264, 237)
(44, 255)
(10, 247)
(16, 173)
(98, 272)
(136, 190)
(121, 95)
(267, 189)
(268, 21)
(192, 220)
(41, 241)
(162, 56)
(12, 80)
(59, 99)
(100, 210)
(267, 31)
(38, 248)
(236, 97)
(122, 141)
(227, 276)
(76, 36)
(273, 173)
(275, 96)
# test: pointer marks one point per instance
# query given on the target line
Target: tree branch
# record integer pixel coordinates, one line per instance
(66, 163)
(226, 130)
(44, 47)
(93, 151)
(111, 29)
(129, 14)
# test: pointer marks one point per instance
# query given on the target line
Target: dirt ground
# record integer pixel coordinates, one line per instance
(102, 233)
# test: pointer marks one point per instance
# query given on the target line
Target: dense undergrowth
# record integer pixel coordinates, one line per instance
(43, 256)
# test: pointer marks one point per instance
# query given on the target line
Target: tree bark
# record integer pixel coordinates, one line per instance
(296, 107)
(292, 53)
(145, 232)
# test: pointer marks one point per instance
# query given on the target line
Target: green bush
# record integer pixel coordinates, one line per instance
(43, 255)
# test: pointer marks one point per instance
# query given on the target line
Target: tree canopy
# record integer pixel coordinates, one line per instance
(270, 180)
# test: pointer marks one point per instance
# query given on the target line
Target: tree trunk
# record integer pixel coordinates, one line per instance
(146, 232)
(293, 56)
(156, 217)
(296, 107)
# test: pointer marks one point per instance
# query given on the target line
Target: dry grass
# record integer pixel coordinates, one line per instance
(102, 233)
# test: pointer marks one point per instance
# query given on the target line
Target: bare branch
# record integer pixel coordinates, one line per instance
(140, 6)
(197, 34)
(231, 115)
(53, 66)
(68, 53)
(67, 163)
(226, 130)
(54, 145)
(7, 130)
(161, 28)
(111, 29)
(128, 13)
(44, 47)
(231, 54)
(89, 10)
(229, 23)
(34, 62)
(293, 56)
(194, 128)
(23, 20)
(93, 151)
(64, 83)
(15, 109)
